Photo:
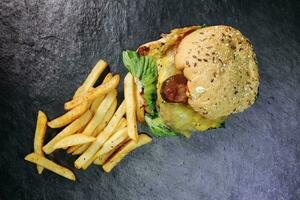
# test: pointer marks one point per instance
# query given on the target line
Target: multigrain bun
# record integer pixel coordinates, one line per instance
(220, 65)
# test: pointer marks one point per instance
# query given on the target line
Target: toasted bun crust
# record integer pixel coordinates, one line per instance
(220, 65)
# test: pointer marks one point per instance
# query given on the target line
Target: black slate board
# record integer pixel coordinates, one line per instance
(48, 47)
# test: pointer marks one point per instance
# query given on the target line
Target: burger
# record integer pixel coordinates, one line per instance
(193, 78)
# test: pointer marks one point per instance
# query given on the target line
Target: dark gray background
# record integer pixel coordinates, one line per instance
(47, 47)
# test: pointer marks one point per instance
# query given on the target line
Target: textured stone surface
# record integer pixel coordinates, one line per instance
(48, 47)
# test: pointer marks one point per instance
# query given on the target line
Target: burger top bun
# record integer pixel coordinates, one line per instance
(220, 65)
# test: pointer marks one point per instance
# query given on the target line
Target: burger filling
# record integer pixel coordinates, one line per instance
(166, 88)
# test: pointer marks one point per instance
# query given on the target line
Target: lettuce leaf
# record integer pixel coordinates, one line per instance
(143, 68)
(158, 127)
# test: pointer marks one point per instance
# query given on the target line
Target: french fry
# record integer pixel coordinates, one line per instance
(77, 150)
(130, 102)
(104, 88)
(72, 140)
(124, 150)
(50, 165)
(107, 77)
(69, 116)
(122, 124)
(140, 109)
(87, 156)
(99, 160)
(40, 131)
(112, 144)
(100, 98)
(91, 78)
(69, 130)
(82, 128)
(69, 105)
(106, 119)
(116, 139)
(78, 92)
(100, 113)
(94, 93)
(96, 103)
(71, 150)
(103, 158)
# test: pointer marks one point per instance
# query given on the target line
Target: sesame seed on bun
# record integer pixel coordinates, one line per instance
(220, 66)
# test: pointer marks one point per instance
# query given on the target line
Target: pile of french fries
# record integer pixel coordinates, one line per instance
(95, 129)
